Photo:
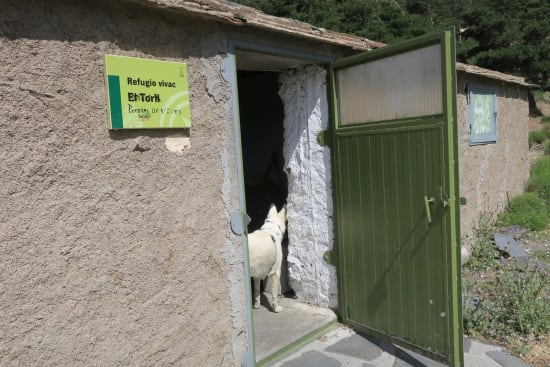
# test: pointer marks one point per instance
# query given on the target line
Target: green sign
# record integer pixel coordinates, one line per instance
(146, 94)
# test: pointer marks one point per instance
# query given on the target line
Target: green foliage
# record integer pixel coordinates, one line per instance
(508, 35)
(484, 254)
(523, 301)
(542, 256)
(505, 35)
(539, 180)
(527, 210)
(502, 300)
(536, 137)
(513, 304)
(541, 95)
(384, 21)
(477, 313)
(531, 209)
(545, 120)
(547, 147)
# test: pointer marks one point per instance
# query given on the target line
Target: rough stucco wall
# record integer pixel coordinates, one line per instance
(309, 201)
(490, 173)
(114, 246)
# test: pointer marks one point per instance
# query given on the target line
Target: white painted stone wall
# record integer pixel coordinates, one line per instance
(304, 95)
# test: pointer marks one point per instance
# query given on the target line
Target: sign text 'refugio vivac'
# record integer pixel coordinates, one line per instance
(146, 94)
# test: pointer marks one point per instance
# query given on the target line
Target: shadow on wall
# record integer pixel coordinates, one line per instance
(132, 27)
(310, 228)
(261, 116)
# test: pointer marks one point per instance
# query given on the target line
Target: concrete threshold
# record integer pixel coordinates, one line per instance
(276, 335)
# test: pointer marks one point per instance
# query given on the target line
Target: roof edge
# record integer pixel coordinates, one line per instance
(240, 15)
(244, 16)
(492, 74)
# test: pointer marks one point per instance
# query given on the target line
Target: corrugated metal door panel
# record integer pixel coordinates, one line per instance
(396, 230)
(385, 235)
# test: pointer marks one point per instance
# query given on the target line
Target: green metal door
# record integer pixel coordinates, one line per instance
(395, 190)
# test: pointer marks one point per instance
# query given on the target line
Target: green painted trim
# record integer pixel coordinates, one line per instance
(333, 126)
(289, 349)
(457, 346)
(235, 45)
(401, 121)
(114, 102)
(229, 72)
(330, 257)
(401, 342)
(324, 139)
(381, 130)
(395, 49)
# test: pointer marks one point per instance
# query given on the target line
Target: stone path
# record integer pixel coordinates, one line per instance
(343, 347)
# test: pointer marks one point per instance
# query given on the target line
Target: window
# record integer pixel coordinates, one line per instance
(482, 114)
(407, 85)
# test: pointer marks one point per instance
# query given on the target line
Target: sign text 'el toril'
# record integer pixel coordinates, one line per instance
(146, 94)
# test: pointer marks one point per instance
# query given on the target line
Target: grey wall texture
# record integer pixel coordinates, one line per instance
(115, 247)
(310, 210)
(491, 173)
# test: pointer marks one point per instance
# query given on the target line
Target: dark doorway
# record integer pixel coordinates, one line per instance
(262, 123)
(261, 115)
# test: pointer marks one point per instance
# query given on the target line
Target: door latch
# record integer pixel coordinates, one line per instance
(427, 202)
(444, 197)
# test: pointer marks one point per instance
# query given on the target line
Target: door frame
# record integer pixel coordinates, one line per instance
(239, 218)
(450, 161)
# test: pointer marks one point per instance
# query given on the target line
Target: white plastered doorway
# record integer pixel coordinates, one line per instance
(282, 106)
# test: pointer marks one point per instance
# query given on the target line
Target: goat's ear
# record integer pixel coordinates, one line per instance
(272, 210)
(282, 213)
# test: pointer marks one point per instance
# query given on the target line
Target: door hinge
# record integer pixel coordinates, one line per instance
(239, 221)
(330, 257)
(324, 138)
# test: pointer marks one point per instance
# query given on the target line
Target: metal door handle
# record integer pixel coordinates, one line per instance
(427, 202)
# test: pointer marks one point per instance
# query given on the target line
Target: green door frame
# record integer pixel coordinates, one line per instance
(449, 112)
(239, 218)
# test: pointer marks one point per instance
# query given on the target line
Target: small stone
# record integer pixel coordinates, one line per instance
(507, 244)
(515, 231)
(505, 359)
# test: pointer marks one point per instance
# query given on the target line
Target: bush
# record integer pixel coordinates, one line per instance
(527, 210)
(536, 137)
(547, 147)
(514, 303)
(539, 181)
(541, 95)
(523, 303)
(484, 254)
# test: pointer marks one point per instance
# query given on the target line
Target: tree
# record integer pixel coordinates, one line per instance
(511, 36)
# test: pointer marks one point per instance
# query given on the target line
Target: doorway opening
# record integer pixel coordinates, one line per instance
(268, 137)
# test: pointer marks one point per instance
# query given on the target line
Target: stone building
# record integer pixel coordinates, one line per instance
(123, 246)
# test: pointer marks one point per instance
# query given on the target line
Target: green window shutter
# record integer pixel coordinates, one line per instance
(482, 114)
